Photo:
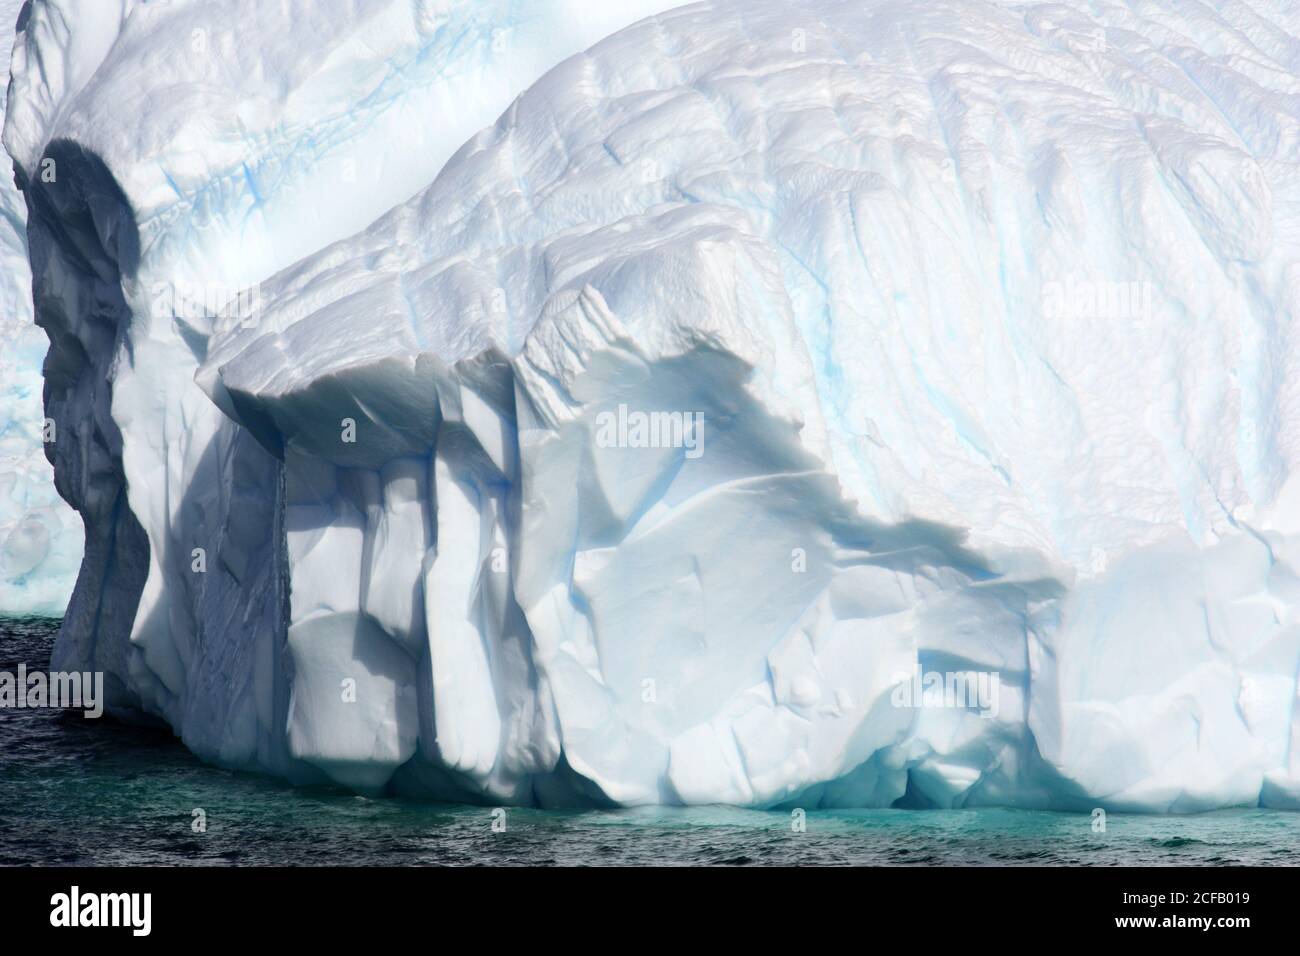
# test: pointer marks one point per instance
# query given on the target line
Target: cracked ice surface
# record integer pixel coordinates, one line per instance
(987, 312)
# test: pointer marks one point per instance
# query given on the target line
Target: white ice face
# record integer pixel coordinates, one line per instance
(40, 536)
(831, 403)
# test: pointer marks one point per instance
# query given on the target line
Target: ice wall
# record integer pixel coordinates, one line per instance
(174, 155)
(40, 536)
(977, 318)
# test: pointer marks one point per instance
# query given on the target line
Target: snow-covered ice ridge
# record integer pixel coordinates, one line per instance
(977, 319)
(40, 536)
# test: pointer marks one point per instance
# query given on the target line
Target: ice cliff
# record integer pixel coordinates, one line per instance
(40, 536)
(964, 332)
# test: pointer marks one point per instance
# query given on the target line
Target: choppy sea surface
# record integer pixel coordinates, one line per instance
(97, 792)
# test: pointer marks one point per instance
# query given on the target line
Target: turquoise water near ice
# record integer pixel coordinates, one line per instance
(83, 792)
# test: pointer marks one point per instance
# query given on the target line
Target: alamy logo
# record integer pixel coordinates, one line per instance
(60, 689)
(969, 690)
(1103, 299)
(103, 909)
(195, 300)
(636, 429)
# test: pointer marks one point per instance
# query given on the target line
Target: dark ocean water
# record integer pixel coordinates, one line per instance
(75, 791)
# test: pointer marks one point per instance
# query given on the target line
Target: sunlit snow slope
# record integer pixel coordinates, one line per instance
(981, 314)
(40, 536)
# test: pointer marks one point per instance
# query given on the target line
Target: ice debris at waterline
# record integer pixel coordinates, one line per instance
(981, 315)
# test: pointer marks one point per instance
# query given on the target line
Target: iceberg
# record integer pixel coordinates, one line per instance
(778, 404)
(40, 535)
